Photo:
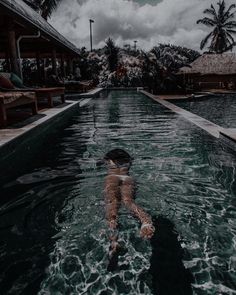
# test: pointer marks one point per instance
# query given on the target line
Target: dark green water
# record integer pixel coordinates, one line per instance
(220, 109)
(52, 226)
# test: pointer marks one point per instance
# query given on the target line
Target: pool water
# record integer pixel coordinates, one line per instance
(54, 237)
(220, 109)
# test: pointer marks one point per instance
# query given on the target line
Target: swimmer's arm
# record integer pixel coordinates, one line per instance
(143, 216)
(127, 194)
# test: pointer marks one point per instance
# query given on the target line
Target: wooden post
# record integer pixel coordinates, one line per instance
(44, 71)
(38, 66)
(54, 62)
(12, 50)
(7, 59)
(70, 66)
(63, 71)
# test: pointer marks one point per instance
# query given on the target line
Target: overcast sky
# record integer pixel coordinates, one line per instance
(148, 21)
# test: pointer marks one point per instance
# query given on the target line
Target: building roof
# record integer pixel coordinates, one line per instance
(216, 64)
(22, 11)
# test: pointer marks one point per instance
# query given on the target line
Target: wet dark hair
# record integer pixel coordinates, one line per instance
(118, 156)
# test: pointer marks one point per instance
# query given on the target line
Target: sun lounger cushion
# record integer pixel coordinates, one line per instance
(16, 81)
(6, 75)
(13, 96)
(5, 83)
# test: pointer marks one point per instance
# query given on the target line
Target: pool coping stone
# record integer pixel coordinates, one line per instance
(204, 124)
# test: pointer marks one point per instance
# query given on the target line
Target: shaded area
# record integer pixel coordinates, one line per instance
(169, 276)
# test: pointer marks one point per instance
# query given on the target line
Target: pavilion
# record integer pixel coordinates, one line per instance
(25, 34)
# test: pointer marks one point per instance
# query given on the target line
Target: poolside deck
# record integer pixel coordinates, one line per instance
(221, 91)
(201, 94)
(183, 96)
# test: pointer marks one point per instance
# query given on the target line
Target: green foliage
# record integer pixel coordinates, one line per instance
(111, 51)
(154, 69)
(174, 57)
(223, 26)
(44, 7)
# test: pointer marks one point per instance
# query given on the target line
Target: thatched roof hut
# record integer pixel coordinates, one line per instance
(211, 71)
(212, 64)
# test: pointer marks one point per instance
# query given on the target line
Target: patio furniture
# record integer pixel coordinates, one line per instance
(14, 99)
(43, 92)
(49, 93)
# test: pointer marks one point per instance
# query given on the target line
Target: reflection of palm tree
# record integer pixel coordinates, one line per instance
(45, 8)
(223, 27)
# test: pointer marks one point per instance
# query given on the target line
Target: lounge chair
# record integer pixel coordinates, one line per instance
(43, 92)
(14, 99)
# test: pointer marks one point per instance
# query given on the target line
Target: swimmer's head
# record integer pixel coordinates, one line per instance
(118, 157)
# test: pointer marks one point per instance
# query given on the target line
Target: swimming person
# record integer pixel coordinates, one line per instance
(120, 188)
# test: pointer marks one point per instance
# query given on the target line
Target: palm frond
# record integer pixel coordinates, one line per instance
(48, 6)
(221, 9)
(210, 11)
(231, 31)
(228, 13)
(229, 17)
(230, 37)
(230, 47)
(206, 21)
(230, 24)
(214, 11)
(205, 40)
(34, 4)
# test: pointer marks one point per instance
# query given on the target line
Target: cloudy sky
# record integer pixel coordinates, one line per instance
(148, 21)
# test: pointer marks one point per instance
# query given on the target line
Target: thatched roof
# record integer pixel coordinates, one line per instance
(216, 64)
(20, 10)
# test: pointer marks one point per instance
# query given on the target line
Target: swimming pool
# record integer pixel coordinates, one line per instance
(220, 109)
(53, 229)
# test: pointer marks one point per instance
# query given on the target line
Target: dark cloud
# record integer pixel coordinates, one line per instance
(167, 21)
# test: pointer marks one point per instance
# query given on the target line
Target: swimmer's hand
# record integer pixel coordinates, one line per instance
(147, 230)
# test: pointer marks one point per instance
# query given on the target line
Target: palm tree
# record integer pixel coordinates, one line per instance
(44, 7)
(223, 26)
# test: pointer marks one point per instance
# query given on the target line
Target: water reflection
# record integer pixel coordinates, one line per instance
(52, 218)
